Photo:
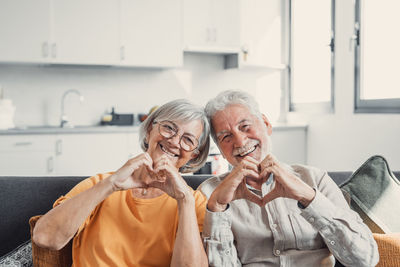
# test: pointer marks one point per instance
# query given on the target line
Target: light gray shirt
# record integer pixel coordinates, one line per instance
(282, 234)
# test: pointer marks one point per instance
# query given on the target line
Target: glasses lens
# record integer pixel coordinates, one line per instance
(188, 142)
(167, 129)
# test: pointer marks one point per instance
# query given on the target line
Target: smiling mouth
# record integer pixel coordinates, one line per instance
(168, 152)
(245, 153)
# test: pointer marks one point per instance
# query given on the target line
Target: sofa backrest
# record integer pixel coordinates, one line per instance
(24, 197)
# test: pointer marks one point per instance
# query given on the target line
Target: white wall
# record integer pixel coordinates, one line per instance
(36, 91)
(344, 140)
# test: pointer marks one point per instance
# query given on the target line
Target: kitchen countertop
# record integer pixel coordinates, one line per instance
(74, 130)
(109, 129)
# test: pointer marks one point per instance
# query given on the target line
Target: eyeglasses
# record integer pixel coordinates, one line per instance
(168, 129)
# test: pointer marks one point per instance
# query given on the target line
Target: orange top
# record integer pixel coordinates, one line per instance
(127, 231)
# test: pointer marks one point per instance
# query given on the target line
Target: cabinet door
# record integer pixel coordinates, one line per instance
(134, 148)
(196, 23)
(151, 33)
(85, 31)
(261, 33)
(27, 155)
(226, 23)
(24, 30)
(88, 154)
(211, 26)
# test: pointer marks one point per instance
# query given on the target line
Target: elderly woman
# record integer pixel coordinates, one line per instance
(143, 214)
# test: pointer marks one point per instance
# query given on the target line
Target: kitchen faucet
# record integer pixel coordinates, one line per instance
(64, 119)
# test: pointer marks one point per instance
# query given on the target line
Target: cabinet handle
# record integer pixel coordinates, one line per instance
(50, 164)
(122, 52)
(23, 144)
(45, 49)
(54, 50)
(58, 147)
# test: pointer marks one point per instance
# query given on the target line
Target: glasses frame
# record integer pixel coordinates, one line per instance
(176, 130)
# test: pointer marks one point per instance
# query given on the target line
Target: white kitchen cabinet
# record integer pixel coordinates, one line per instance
(151, 33)
(134, 148)
(24, 30)
(211, 26)
(260, 35)
(85, 32)
(88, 154)
(29, 155)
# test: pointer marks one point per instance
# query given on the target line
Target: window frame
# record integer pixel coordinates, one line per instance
(312, 107)
(391, 105)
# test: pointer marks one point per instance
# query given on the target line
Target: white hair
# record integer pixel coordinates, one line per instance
(185, 111)
(230, 97)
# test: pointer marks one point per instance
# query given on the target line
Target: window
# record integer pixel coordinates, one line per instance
(311, 55)
(377, 55)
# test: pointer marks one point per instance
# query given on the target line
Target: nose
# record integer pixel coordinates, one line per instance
(174, 140)
(240, 139)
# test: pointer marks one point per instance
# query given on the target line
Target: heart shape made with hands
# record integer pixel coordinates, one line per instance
(161, 181)
(253, 197)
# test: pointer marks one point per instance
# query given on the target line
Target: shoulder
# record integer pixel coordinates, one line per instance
(209, 185)
(309, 174)
(83, 186)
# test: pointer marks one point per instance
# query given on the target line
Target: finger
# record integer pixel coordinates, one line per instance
(250, 166)
(250, 173)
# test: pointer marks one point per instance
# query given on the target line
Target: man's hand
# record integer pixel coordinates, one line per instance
(286, 183)
(127, 176)
(166, 177)
(234, 186)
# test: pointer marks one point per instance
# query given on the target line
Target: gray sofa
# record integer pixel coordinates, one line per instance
(24, 197)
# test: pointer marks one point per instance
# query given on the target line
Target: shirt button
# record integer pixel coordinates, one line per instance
(277, 252)
(311, 220)
(227, 252)
(332, 243)
(274, 225)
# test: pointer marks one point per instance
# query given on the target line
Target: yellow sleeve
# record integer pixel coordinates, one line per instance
(79, 188)
(201, 203)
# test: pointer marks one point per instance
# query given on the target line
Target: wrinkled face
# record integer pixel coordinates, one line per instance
(159, 145)
(240, 133)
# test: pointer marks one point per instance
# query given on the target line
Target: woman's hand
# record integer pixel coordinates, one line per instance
(127, 176)
(167, 178)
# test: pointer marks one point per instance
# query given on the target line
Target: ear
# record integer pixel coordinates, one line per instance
(268, 124)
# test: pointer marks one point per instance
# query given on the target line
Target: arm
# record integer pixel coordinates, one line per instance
(58, 226)
(325, 208)
(344, 233)
(219, 240)
(188, 248)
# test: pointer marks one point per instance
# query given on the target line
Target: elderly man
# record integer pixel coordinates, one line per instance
(266, 213)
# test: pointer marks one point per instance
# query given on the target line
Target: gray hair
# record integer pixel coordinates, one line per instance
(230, 97)
(185, 111)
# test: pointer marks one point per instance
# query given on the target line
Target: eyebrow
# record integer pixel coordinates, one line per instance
(226, 131)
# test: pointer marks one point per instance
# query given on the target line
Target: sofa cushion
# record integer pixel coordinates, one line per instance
(375, 194)
(47, 258)
(19, 257)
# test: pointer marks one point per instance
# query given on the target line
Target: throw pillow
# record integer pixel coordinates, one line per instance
(19, 257)
(43, 257)
(389, 249)
(375, 194)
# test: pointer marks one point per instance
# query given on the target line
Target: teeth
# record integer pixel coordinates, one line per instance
(251, 149)
(167, 152)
